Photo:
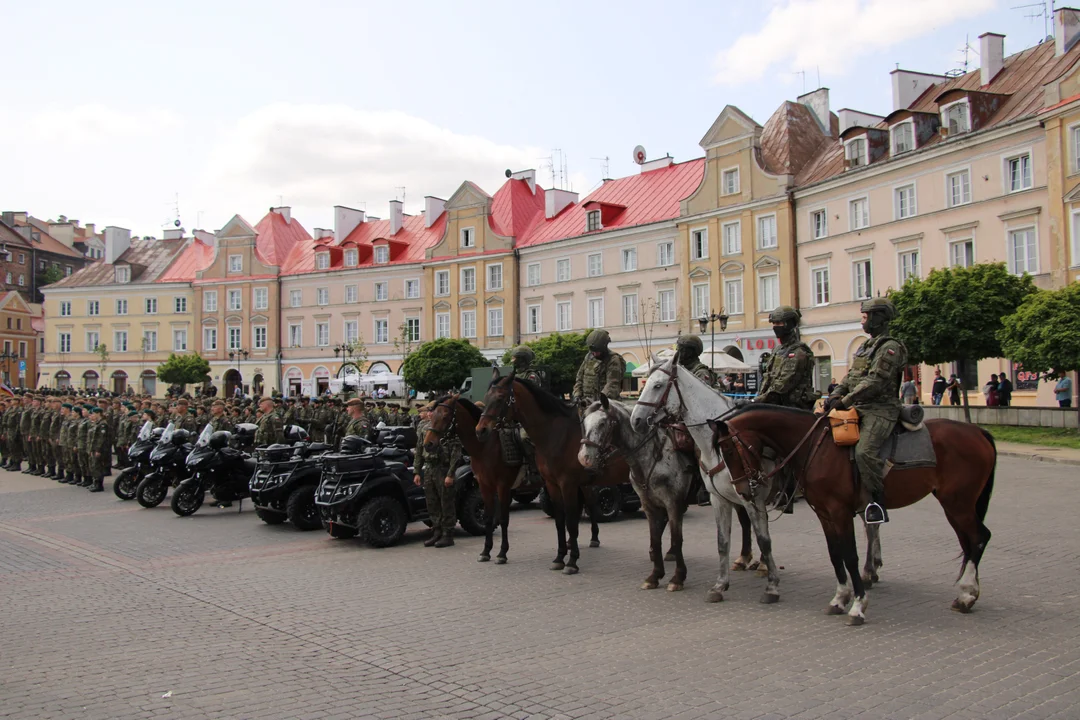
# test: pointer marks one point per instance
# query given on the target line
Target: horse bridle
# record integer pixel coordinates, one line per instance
(752, 479)
(452, 427)
(500, 421)
(673, 382)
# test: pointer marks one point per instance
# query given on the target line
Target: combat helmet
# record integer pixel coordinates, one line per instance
(690, 347)
(787, 315)
(522, 354)
(879, 311)
(598, 340)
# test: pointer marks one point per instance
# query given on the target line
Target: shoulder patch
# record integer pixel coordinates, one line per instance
(891, 351)
(791, 355)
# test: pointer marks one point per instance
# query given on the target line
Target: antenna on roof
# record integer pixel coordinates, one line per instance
(556, 165)
(803, 74)
(1037, 10)
(605, 166)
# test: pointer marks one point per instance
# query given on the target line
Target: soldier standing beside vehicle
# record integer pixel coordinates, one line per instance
(358, 424)
(435, 470)
(218, 421)
(97, 445)
(269, 429)
(600, 372)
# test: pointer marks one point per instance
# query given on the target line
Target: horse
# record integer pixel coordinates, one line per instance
(694, 403)
(962, 481)
(555, 430)
(496, 479)
(656, 472)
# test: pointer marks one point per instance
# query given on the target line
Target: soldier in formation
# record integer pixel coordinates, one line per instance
(358, 422)
(270, 427)
(435, 472)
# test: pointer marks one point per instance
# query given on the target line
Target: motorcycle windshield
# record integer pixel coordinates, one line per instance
(166, 437)
(147, 429)
(204, 436)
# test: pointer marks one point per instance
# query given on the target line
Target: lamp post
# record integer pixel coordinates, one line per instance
(235, 355)
(711, 319)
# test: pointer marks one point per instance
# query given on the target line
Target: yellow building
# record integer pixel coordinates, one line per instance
(1061, 120)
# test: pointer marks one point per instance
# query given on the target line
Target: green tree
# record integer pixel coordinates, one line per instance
(404, 344)
(51, 275)
(103, 361)
(954, 314)
(441, 365)
(560, 354)
(185, 369)
(1043, 335)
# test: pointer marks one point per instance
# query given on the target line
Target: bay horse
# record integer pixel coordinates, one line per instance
(962, 481)
(658, 475)
(455, 414)
(555, 430)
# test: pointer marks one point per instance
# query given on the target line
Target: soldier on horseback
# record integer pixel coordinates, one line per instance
(521, 358)
(600, 372)
(690, 349)
(872, 387)
(518, 449)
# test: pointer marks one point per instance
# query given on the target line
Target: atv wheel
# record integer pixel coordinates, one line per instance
(471, 513)
(271, 517)
(525, 497)
(151, 491)
(187, 500)
(545, 503)
(382, 522)
(126, 483)
(608, 504)
(301, 509)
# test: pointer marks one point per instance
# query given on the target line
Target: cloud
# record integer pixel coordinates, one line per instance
(90, 125)
(832, 34)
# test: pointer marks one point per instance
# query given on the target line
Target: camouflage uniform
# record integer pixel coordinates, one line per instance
(56, 457)
(690, 349)
(788, 377)
(26, 421)
(433, 468)
(12, 423)
(221, 423)
(67, 446)
(82, 451)
(97, 451)
(599, 375)
(270, 430)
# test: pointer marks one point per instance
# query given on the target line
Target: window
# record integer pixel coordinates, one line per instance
(468, 280)
(22, 261)
(700, 304)
(769, 292)
(68, 270)
(295, 298)
(1019, 173)
(730, 181)
(955, 117)
(819, 281)
(562, 270)
(855, 152)
(1075, 137)
(766, 232)
(149, 340)
(209, 301)
(665, 254)
(442, 283)
(532, 319)
(532, 274)
(322, 334)
(629, 259)
(120, 341)
(903, 138)
(819, 222)
(596, 312)
(123, 273)
(412, 329)
(322, 261)
(235, 337)
(495, 322)
(468, 323)
(351, 294)
(382, 331)
(352, 257)
(382, 254)
(262, 298)
(7, 278)
(904, 201)
(296, 335)
(92, 341)
(595, 265)
(962, 253)
(122, 306)
(859, 213)
(260, 337)
(563, 316)
(236, 263)
(352, 331)
(93, 307)
(412, 289)
(666, 300)
(234, 300)
(1075, 260)
(732, 234)
(180, 305)
(733, 299)
(468, 237)
(65, 308)
(22, 280)
(209, 339)
(959, 188)
(442, 325)
(592, 220)
(1023, 254)
(322, 296)
(862, 281)
(22, 349)
(179, 340)
(909, 265)
(699, 244)
(151, 306)
(630, 309)
(64, 342)
(494, 277)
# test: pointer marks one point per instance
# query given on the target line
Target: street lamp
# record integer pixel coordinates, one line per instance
(710, 320)
(235, 355)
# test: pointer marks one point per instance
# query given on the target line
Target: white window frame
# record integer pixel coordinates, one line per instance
(772, 241)
(382, 254)
(234, 335)
(819, 231)
(442, 283)
(468, 324)
(256, 331)
(903, 260)
(121, 306)
(179, 305)
(209, 339)
(236, 263)
(629, 259)
(322, 261)
(350, 331)
(700, 306)
(180, 339)
(594, 265)
(296, 334)
(967, 117)
(663, 311)
(260, 298)
(1074, 148)
(667, 247)
(495, 322)
(533, 319)
(727, 248)
(382, 291)
(1010, 250)
(764, 304)
(123, 274)
(727, 188)
(147, 336)
(412, 288)
(952, 253)
(1074, 231)
(862, 158)
(699, 243)
(209, 302)
(467, 237)
(150, 306)
(824, 300)
(733, 301)
(93, 308)
(120, 341)
(351, 257)
(562, 264)
(296, 298)
(593, 221)
(857, 274)
(1030, 175)
(463, 286)
(958, 173)
(352, 294)
(895, 130)
(532, 274)
(630, 309)
(412, 322)
(859, 220)
(442, 325)
(63, 342)
(93, 339)
(322, 334)
(596, 319)
(238, 296)
(65, 308)
(564, 316)
(322, 296)
(897, 195)
(494, 284)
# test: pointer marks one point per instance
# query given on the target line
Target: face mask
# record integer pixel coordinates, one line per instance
(782, 332)
(875, 324)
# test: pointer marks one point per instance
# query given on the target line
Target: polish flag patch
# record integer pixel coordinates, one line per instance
(891, 352)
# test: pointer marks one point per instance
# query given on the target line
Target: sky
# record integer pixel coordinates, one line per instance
(122, 113)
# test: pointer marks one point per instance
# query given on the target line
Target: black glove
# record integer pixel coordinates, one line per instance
(833, 401)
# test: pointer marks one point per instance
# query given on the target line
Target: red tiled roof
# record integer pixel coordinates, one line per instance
(196, 257)
(48, 243)
(149, 260)
(648, 197)
(516, 207)
(790, 139)
(408, 245)
(277, 237)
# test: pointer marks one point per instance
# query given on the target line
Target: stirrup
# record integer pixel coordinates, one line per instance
(875, 514)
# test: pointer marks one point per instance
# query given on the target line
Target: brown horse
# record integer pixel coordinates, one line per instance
(555, 429)
(962, 481)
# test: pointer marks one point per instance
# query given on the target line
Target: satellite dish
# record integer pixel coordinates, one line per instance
(176, 222)
(639, 155)
(508, 173)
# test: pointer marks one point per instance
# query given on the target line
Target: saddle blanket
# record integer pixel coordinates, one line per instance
(905, 449)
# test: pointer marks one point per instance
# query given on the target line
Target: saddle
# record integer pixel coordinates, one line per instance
(906, 449)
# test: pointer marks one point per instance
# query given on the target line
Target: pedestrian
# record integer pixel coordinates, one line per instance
(1063, 392)
(953, 387)
(937, 390)
(990, 391)
(832, 386)
(1005, 388)
(909, 393)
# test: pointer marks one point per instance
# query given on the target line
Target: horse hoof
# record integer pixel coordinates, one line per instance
(754, 565)
(483, 558)
(714, 596)
(500, 560)
(834, 610)
(674, 587)
(855, 620)
(594, 543)
(761, 572)
(769, 599)
(868, 582)
(649, 585)
(961, 607)
(570, 570)
(670, 557)
(556, 566)
(738, 565)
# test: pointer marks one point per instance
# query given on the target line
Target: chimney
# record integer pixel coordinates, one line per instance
(556, 200)
(992, 55)
(395, 216)
(90, 229)
(117, 240)
(907, 86)
(657, 164)
(206, 238)
(346, 220)
(528, 176)
(855, 118)
(1066, 30)
(818, 102)
(433, 210)
(321, 233)
(173, 233)
(285, 212)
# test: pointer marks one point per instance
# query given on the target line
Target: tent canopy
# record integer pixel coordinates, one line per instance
(719, 362)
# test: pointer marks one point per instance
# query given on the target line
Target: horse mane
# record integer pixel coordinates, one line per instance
(468, 405)
(761, 407)
(547, 402)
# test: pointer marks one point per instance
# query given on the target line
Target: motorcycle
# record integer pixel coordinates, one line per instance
(216, 467)
(286, 475)
(127, 482)
(167, 467)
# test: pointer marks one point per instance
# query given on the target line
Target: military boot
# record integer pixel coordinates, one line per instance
(84, 481)
(436, 535)
(446, 540)
(38, 471)
(15, 466)
(98, 485)
(69, 479)
(875, 513)
(50, 472)
(29, 469)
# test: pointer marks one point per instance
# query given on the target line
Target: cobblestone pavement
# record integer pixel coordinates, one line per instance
(106, 607)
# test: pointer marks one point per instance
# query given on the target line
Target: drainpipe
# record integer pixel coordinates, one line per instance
(517, 310)
(281, 385)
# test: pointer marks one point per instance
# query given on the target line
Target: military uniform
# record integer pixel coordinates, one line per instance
(270, 430)
(97, 450)
(789, 377)
(82, 452)
(12, 423)
(220, 423)
(599, 375)
(433, 468)
(67, 446)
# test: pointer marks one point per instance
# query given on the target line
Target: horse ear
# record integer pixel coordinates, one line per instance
(719, 427)
(495, 376)
(675, 357)
(604, 401)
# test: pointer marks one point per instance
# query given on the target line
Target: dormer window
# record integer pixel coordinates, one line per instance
(956, 118)
(123, 274)
(903, 138)
(351, 257)
(236, 263)
(592, 220)
(322, 261)
(468, 237)
(855, 152)
(382, 254)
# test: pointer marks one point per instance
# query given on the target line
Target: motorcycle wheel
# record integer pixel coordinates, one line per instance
(471, 513)
(187, 500)
(151, 491)
(126, 484)
(271, 517)
(383, 522)
(301, 509)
